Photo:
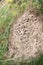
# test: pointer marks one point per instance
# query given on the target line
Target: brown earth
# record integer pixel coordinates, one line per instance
(26, 37)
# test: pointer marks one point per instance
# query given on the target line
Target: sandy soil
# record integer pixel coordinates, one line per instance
(26, 37)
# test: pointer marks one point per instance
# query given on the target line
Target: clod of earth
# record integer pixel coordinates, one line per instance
(26, 37)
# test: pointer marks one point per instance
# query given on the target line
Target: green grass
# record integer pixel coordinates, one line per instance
(8, 13)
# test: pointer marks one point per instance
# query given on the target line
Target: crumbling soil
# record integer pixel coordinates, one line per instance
(26, 37)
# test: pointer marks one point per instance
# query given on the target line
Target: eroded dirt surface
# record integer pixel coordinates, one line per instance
(26, 37)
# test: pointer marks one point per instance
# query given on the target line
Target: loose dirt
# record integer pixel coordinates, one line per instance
(26, 37)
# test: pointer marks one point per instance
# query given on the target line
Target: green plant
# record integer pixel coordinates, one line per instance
(7, 15)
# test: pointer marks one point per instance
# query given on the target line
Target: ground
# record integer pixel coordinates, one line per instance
(26, 37)
(21, 33)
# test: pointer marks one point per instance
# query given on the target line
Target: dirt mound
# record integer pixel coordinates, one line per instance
(26, 38)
